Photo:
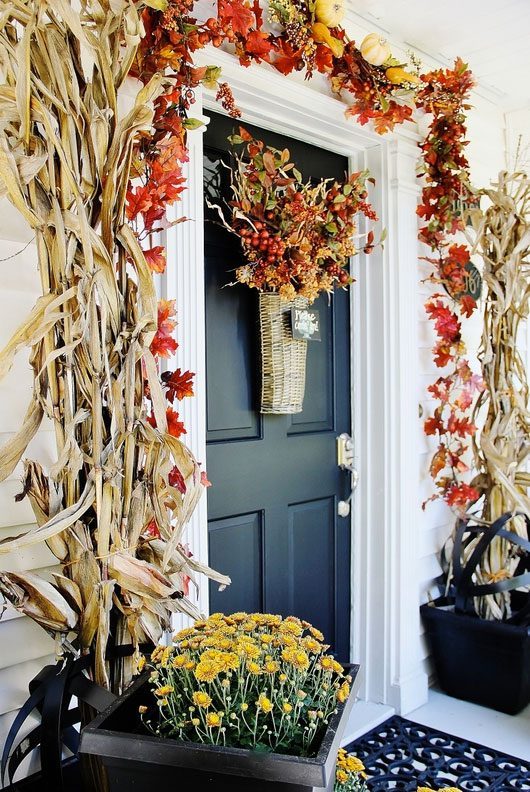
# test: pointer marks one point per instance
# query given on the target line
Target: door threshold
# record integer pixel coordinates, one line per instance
(365, 715)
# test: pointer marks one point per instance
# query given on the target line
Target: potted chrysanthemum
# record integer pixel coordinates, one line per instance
(231, 698)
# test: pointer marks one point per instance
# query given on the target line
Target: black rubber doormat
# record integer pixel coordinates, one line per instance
(403, 755)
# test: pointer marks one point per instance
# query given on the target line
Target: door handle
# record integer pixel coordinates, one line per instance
(345, 462)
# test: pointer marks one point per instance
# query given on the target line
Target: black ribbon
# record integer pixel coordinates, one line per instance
(51, 694)
(463, 590)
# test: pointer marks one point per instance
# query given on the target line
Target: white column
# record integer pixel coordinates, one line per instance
(386, 638)
(184, 281)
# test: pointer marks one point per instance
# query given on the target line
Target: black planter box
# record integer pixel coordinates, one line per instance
(142, 762)
(486, 662)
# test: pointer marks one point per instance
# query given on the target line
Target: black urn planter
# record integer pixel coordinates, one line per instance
(479, 660)
(486, 662)
(141, 762)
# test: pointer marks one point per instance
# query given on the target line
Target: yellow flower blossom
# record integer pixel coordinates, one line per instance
(343, 692)
(183, 634)
(213, 720)
(180, 660)
(157, 653)
(196, 721)
(342, 776)
(244, 706)
(254, 668)
(201, 699)
(287, 708)
(296, 657)
(164, 690)
(271, 666)
(326, 662)
(311, 645)
(263, 703)
(316, 633)
(207, 671)
(141, 663)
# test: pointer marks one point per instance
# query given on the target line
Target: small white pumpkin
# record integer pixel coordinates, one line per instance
(375, 49)
(330, 12)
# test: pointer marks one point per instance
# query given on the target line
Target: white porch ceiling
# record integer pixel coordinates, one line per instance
(493, 36)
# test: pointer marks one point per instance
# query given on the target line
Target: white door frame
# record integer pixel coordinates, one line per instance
(385, 531)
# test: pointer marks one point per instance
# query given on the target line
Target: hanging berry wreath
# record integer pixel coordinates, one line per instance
(307, 36)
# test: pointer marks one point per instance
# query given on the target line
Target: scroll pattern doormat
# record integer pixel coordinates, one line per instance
(402, 755)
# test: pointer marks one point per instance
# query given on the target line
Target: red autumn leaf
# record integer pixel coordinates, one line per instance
(460, 426)
(204, 479)
(459, 254)
(174, 426)
(239, 16)
(163, 344)
(433, 425)
(179, 384)
(461, 495)
(259, 44)
(156, 258)
(467, 305)
(445, 321)
(139, 200)
(443, 353)
(287, 62)
(323, 59)
(176, 479)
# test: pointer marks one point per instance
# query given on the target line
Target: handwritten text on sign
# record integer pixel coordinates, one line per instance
(305, 324)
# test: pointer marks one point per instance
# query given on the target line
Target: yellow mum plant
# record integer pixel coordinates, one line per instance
(349, 775)
(246, 680)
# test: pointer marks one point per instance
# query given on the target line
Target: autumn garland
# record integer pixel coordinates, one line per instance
(385, 95)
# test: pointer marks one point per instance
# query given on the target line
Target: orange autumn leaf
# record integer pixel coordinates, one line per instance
(156, 258)
(179, 384)
(163, 344)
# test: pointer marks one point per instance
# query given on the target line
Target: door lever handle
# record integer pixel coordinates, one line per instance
(345, 462)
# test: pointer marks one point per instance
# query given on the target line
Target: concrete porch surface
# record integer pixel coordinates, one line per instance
(507, 733)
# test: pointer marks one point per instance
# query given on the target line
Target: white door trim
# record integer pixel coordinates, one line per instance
(385, 577)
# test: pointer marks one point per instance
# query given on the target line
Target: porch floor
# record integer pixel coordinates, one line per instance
(507, 733)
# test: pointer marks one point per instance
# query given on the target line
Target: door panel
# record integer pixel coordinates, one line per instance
(273, 523)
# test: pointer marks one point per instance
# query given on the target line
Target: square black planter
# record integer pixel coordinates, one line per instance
(143, 762)
(486, 662)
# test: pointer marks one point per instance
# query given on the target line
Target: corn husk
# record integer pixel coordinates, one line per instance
(501, 236)
(65, 159)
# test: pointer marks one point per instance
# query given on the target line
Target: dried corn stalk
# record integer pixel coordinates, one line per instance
(502, 239)
(65, 163)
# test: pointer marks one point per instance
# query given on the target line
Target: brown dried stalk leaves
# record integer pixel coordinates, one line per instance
(65, 154)
(501, 236)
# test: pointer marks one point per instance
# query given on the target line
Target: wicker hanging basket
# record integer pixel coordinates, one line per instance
(283, 358)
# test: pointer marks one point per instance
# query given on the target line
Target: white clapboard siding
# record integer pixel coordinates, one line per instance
(24, 646)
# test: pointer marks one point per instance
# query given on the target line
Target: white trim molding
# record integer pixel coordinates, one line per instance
(385, 579)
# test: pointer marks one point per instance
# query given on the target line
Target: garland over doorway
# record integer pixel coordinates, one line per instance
(295, 35)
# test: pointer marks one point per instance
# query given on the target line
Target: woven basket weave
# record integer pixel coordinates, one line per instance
(283, 358)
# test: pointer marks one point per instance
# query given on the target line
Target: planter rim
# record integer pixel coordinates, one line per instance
(467, 618)
(112, 744)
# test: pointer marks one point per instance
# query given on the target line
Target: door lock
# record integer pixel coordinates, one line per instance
(345, 462)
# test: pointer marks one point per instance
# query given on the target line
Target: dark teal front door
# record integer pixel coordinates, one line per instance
(273, 523)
